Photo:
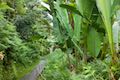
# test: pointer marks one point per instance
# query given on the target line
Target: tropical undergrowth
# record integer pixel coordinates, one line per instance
(84, 30)
(22, 36)
(57, 68)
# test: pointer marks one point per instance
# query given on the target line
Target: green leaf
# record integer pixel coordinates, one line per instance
(71, 8)
(115, 6)
(93, 42)
(74, 10)
(62, 15)
(77, 27)
(5, 6)
(105, 8)
(85, 7)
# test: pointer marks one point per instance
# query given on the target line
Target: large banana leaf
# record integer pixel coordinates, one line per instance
(85, 7)
(71, 8)
(104, 7)
(93, 42)
(77, 27)
(63, 17)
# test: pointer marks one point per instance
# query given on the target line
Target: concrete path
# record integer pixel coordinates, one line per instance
(35, 72)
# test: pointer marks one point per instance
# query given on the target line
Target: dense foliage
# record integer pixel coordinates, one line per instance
(79, 39)
(85, 29)
(22, 36)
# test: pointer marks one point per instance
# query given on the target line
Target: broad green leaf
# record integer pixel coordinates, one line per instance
(74, 10)
(71, 8)
(85, 7)
(63, 17)
(93, 42)
(79, 4)
(104, 7)
(77, 27)
(57, 30)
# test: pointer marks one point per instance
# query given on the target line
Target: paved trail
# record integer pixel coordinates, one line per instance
(35, 72)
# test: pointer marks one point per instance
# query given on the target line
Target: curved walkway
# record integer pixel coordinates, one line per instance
(35, 72)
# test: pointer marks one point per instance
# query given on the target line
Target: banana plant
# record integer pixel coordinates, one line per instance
(81, 13)
(64, 17)
(84, 19)
(92, 41)
(105, 7)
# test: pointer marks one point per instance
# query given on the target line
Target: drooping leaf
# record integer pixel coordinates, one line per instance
(71, 8)
(77, 27)
(93, 42)
(62, 15)
(85, 7)
(74, 10)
